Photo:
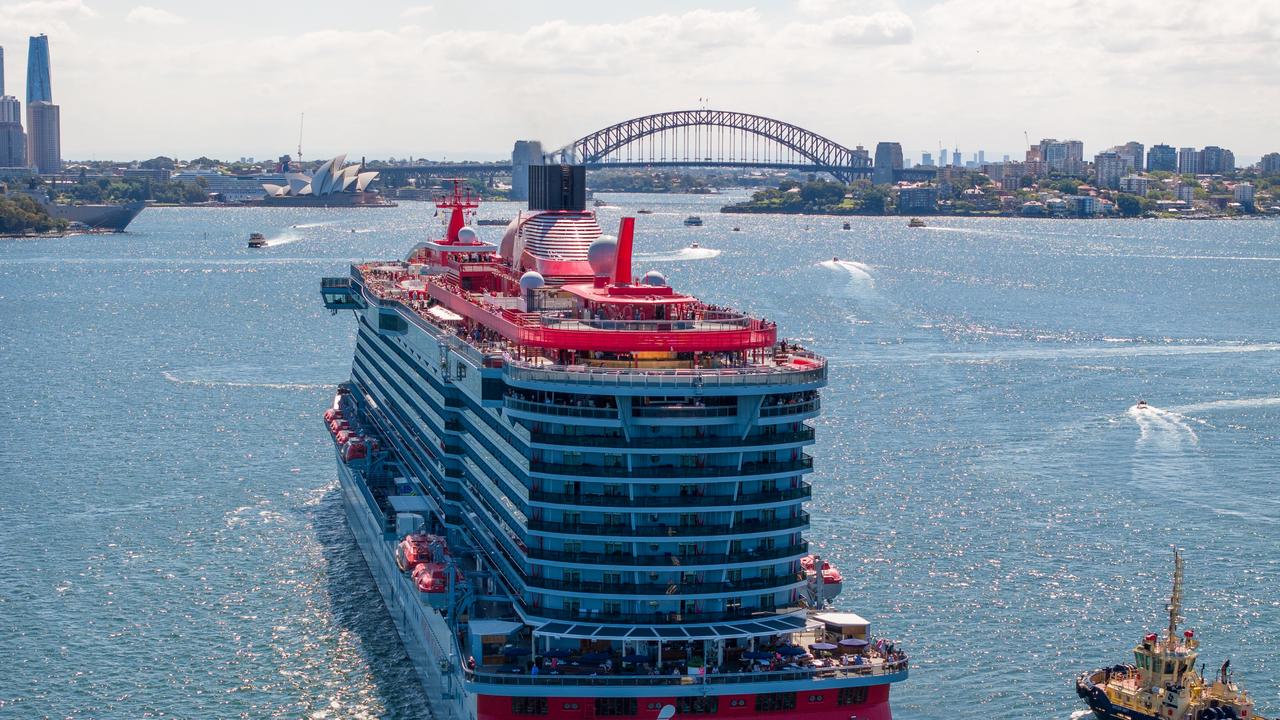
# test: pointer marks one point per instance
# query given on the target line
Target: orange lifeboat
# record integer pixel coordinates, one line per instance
(354, 450)
(832, 580)
(331, 414)
(431, 577)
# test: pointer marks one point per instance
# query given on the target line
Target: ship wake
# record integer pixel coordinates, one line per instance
(688, 253)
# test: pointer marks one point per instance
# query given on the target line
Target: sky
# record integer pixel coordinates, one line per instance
(464, 80)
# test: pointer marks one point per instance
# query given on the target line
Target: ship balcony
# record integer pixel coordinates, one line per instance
(789, 370)
(640, 444)
(557, 410)
(659, 617)
(623, 530)
(790, 410)
(751, 469)
(667, 560)
(829, 676)
(700, 502)
(682, 590)
(339, 294)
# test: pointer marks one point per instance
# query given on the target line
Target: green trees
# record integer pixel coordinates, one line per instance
(1129, 205)
(21, 213)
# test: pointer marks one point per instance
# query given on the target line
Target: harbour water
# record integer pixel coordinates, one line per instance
(171, 544)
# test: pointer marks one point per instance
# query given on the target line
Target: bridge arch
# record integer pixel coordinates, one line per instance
(823, 153)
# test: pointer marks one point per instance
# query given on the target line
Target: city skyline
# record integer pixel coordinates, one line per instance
(967, 74)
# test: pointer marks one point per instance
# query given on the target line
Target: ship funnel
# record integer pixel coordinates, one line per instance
(622, 264)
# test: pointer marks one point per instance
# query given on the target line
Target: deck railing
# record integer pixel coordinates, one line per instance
(625, 530)
(672, 501)
(669, 559)
(886, 670)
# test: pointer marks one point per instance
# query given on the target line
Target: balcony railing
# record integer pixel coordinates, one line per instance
(814, 674)
(685, 411)
(659, 617)
(792, 409)
(800, 464)
(669, 559)
(544, 408)
(708, 441)
(672, 501)
(813, 372)
(736, 587)
(625, 530)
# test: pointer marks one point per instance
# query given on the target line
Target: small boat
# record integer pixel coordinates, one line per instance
(835, 259)
(737, 229)
(643, 211)
(693, 221)
(693, 245)
(915, 222)
(815, 567)
(257, 240)
(1142, 405)
(1163, 683)
(846, 226)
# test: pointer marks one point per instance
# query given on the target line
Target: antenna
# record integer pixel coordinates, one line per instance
(301, 118)
(1175, 600)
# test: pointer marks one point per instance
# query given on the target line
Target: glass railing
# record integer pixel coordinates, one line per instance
(672, 501)
(685, 411)
(800, 464)
(891, 671)
(792, 409)
(707, 441)
(544, 408)
(670, 559)
(672, 588)
(659, 617)
(624, 530)
(815, 371)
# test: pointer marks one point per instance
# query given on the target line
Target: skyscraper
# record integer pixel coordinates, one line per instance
(13, 142)
(44, 124)
(524, 154)
(1162, 157)
(44, 133)
(888, 159)
(39, 87)
(1188, 161)
(1109, 167)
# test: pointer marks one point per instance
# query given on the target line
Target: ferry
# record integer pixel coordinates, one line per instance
(257, 240)
(915, 222)
(580, 492)
(693, 221)
(1163, 683)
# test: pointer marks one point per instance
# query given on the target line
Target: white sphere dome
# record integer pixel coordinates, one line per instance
(468, 235)
(603, 255)
(531, 280)
(653, 277)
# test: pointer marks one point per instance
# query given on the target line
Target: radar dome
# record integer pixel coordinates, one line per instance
(467, 236)
(531, 280)
(653, 277)
(603, 255)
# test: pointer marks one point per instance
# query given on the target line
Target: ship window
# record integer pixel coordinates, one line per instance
(697, 705)
(851, 696)
(815, 698)
(768, 702)
(738, 703)
(528, 706)
(571, 706)
(615, 706)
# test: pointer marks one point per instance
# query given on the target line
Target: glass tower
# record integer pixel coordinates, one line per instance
(38, 85)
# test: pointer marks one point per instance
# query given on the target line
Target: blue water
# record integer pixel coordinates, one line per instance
(171, 543)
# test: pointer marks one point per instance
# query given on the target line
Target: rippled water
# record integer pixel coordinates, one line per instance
(171, 543)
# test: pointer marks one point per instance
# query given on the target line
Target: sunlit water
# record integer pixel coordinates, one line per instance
(171, 543)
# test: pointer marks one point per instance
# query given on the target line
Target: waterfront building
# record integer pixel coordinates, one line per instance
(44, 137)
(1133, 150)
(888, 160)
(13, 146)
(1136, 184)
(1162, 158)
(332, 184)
(1188, 161)
(232, 188)
(1243, 193)
(525, 154)
(1083, 205)
(921, 198)
(1066, 157)
(1270, 164)
(39, 85)
(926, 159)
(1185, 193)
(1109, 167)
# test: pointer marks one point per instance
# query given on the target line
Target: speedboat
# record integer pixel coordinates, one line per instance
(693, 245)
(643, 211)
(915, 222)
(1142, 405)
(257, 240)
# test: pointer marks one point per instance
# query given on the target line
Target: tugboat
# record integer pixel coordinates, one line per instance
(1164, 684)
(693, 221)
(256, 240)
(915, 222)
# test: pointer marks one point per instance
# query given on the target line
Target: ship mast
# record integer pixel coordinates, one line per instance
(1175, 600)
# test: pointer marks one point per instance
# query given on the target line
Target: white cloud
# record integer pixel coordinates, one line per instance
(147, 15)
(48, 16)
(417, 11)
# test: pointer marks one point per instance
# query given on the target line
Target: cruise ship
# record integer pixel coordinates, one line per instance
(581, 493)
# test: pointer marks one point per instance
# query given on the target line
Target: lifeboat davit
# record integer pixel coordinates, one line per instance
(832, 580)
(354, 449)
(416, 549)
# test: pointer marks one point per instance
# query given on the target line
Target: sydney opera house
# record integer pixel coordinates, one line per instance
(332, 185)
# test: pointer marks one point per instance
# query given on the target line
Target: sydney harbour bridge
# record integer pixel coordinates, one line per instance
(693, 139)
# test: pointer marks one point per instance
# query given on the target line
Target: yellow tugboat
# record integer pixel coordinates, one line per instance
(1163, 684)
